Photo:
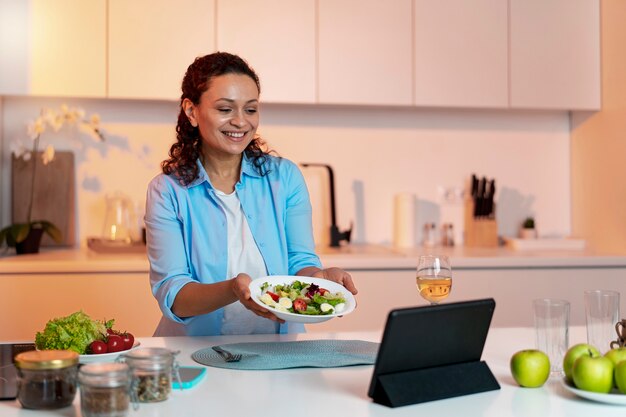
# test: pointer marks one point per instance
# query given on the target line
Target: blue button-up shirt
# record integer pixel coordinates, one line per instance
(187, 235)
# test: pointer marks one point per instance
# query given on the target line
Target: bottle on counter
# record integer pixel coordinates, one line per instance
(104, 389)
(430, 235)
(46, 379)
(447, 234)
(152, 370)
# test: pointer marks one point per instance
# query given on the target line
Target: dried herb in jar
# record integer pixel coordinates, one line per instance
(104, 389)
(104, 401)
(154, 387)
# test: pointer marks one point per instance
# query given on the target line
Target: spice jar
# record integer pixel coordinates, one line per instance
(447, 234)
(430, 234)
(46, 378)
(152, 370)
(104, 389)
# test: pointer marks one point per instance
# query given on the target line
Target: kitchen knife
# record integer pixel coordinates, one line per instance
(492, 193)
(480, 197)
(474, 186)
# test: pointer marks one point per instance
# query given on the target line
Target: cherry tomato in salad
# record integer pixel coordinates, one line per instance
(274, 296)
(98, 347)
(299, 304)
(127, 340)
(115, 343)
(322, 291)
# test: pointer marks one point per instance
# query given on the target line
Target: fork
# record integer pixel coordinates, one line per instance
(226, 355)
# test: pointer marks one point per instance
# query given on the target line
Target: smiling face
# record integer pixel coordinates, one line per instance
(227, 115)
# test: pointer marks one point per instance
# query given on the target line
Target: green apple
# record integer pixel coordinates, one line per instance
(620, 376)
(574, 353)
(616, 356)
(530, 368)
(593, 373)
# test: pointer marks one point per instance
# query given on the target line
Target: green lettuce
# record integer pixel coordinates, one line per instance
(74, 332)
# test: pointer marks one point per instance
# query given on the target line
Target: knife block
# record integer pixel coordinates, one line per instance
(479, 232)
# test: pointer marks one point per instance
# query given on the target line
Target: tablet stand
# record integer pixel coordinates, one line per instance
(436, 383)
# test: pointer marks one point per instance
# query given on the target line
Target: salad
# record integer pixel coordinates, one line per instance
(83, 335)
(302, 298)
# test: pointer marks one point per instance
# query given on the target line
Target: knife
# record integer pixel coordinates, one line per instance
(482, 197)
(492, 192)
(474, 186)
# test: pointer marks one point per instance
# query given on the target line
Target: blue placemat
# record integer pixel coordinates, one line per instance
(298, 354)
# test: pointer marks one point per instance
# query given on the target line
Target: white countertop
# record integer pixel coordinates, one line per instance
(350, 257)
(343, 391)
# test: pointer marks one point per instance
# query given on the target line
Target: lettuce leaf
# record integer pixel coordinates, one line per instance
(74, 332)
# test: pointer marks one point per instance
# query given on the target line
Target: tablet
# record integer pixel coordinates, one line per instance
(433, 338)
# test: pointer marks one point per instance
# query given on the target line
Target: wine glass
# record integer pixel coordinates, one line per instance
(434, 277)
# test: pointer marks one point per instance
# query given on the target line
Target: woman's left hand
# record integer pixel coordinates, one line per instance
(337, 275)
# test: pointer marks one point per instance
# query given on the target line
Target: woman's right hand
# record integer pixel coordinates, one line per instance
(241, 288)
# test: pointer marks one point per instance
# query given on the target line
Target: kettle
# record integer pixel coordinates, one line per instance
(118, 218)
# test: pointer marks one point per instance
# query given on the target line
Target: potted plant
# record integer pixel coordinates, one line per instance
(528, 231)
(26, 236)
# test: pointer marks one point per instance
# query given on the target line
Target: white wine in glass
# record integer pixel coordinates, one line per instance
(434, 277)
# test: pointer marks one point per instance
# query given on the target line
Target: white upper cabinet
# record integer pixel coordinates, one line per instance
(555, 54)
(277, 38)
(365, 52)
(461, 53)
(152, 42)
(53, 48)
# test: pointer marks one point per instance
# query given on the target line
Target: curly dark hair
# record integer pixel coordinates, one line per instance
(186, 150)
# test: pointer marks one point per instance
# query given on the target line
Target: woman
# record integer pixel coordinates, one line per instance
(224, 211)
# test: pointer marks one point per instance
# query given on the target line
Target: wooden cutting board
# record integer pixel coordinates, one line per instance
(54, 194)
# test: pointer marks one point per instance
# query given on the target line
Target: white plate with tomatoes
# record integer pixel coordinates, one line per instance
(109, 349)
(318, 284)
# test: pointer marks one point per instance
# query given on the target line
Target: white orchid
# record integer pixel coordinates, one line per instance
(55, 120)
(18, 232)
(48, 155)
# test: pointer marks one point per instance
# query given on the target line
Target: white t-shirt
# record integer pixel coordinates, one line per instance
(243, 256)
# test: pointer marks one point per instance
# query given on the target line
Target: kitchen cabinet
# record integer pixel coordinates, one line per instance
(29, 300)
(461, 52)
(53, 48)
(152, 42)
(513, 289)
(365, 52)
(555, 54)
(56, 283)
(278, 39)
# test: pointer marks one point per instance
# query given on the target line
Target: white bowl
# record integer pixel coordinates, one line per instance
(104, 357)
(255, 292)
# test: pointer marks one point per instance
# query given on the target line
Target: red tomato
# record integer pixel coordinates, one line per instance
(97, 347)
(110, 331)
(275, 297)
(322, 291)
(115, 343)
(299, 304)
(128, 340)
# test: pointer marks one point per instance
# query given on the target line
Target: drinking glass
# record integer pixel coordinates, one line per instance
(602, 313)
(552, 330)
(434, 277)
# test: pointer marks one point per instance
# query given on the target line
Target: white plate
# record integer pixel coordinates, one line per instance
(613, 397)
(104, 357)
(255, 292)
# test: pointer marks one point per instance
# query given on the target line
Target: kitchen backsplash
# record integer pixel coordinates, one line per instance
(376, 153)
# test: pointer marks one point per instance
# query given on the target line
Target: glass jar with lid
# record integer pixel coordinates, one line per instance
(152, 370)
(46, 378)
(104, 389)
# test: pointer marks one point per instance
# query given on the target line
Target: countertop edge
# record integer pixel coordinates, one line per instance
(352, 258)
